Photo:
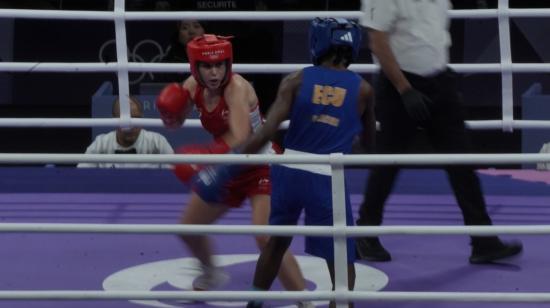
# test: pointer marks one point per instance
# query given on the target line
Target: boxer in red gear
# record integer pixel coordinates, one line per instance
(229, 110)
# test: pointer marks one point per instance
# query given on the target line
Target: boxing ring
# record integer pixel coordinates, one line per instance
(92, 261)
(70, 244)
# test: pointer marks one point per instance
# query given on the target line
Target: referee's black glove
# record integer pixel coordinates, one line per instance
(416, 104)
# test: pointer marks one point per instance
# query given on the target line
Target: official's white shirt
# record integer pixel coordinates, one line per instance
(417, 30)
(146, 143)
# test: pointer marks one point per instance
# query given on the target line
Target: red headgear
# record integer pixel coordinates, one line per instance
(210, 48)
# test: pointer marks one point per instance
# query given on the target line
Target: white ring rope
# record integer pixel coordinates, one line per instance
(110, 122)
(247, 15)
(523, 297)
(265, 68)
(507, 83)
(122, 68)
(350, 231)
(253, 159)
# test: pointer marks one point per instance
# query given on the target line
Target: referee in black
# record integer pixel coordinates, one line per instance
(416, 91)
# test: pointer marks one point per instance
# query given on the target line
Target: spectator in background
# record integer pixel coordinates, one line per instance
(134, 140)
(176, 52)
(186, 31)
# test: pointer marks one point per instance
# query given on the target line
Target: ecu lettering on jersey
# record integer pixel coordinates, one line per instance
(327, 95)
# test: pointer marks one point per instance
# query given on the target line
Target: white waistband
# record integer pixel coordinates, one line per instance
(314, 168)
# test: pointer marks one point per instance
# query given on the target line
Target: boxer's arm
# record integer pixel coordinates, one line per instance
(279, 111)
(237, 96)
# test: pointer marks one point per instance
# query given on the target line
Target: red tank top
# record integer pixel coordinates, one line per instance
(216, 121)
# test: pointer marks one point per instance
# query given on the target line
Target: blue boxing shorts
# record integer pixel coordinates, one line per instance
(296, 189)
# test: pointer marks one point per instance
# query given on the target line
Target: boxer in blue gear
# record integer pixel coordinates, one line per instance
(328, 106)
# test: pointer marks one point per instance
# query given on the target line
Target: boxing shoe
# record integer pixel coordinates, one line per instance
(500, 251)
(370, 249)
(211, 278)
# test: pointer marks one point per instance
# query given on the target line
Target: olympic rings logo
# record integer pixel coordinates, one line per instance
(145, 51)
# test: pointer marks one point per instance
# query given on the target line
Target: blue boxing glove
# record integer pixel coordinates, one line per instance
(210, 182)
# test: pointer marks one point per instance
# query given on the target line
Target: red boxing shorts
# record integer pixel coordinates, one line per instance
(255, 181)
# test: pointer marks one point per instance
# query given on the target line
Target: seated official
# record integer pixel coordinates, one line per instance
(134, 140)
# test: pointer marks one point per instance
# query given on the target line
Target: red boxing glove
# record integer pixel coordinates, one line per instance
(185, 172)
(173, 104)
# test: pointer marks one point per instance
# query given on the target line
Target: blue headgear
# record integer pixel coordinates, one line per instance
(325, 33)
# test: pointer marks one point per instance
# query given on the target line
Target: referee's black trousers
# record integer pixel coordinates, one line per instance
(446, 133)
